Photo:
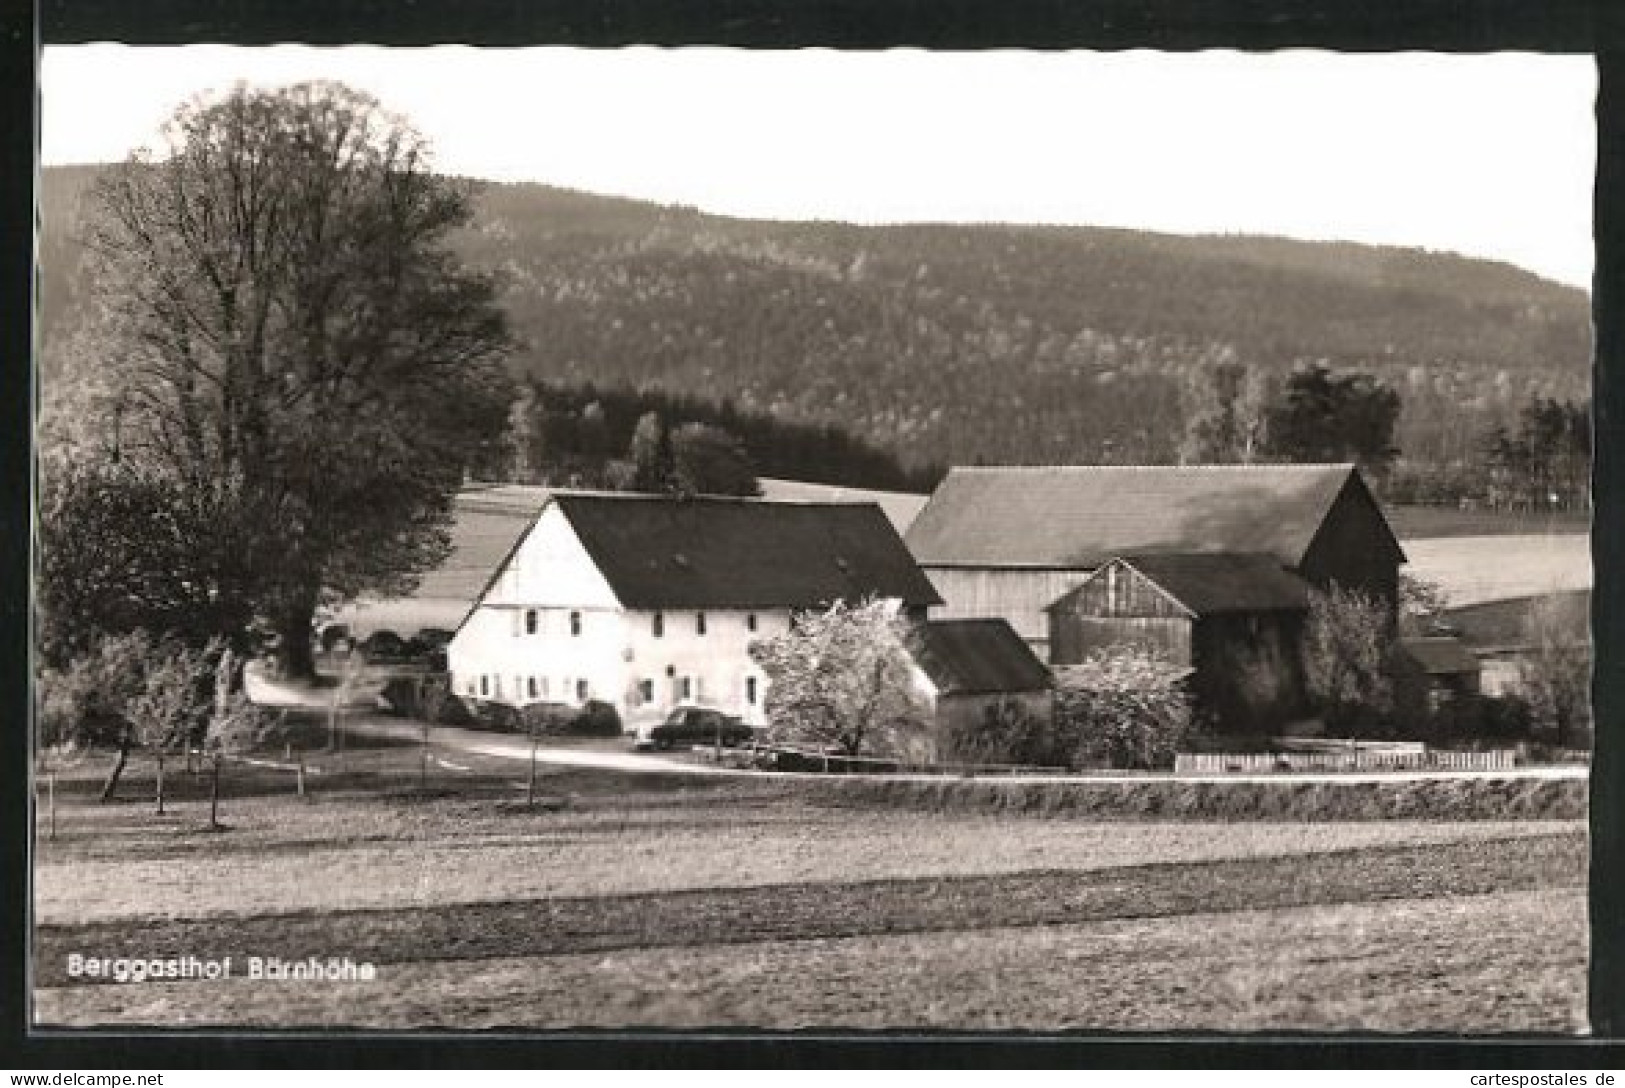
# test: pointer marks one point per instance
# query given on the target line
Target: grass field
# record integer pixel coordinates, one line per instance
(1472, 569)
(1419, 522)
(663, 901)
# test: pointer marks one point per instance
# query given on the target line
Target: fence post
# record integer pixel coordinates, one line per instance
(530, 783)
(50, 794)
(214, 794)
(299, 774)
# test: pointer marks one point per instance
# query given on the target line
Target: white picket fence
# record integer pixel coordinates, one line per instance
(1352, 760)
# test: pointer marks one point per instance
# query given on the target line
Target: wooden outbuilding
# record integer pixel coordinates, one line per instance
(1442, 667)
(1235, 620)
(966, 667)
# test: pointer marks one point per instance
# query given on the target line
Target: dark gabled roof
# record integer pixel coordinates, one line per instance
(970, 657)
(743, 553)
(1208, 584)
(1440, 655)
(1080, 516)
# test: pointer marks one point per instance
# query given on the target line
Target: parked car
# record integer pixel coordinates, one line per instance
(694, 725)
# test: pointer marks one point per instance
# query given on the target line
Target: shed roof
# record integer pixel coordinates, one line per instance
(1440, 655)
(1208, 584)
(968, 657)
(1080, 516)
(743, 553)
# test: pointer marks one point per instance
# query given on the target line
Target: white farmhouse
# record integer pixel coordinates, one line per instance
(648, 603)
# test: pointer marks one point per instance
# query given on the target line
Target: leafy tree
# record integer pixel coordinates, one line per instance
(1323, 416)
(1126, 705)
(1421, 602)
(527, 437)
(1556, 671)
(708, 460)
(287, 325)
(125, 548)
(1226, 425)
(236, 725)
(1349, 649)
(843, 679)
(171, 707)
(1546, 463)
(651, 456)
(86, 703)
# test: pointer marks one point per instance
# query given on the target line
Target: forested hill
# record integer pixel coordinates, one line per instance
(1004, 343)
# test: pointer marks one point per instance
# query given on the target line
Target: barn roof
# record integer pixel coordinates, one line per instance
(902, 507)
(1440, 655)
(1079, 516)
(1209, 584)
(969, 657)
(743, 553)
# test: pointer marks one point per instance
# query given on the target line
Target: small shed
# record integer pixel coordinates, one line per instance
(967, 666)
(1443, 667)
(1234, 619)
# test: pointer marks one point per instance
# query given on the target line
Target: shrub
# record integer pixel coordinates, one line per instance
(1556, 672)
(384, 644)
(499, 717)
(1125, 706)
(593, 719)
(598, 719)
(1350, 661)
(1006, 732)
(453, 711)
(1474, 717)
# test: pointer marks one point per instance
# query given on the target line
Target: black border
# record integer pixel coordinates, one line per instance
(1575, 26)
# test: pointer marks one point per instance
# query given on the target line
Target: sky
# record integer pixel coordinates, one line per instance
(1486, 155)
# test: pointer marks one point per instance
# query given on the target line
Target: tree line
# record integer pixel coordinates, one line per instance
(581, 436)
(1241, 414)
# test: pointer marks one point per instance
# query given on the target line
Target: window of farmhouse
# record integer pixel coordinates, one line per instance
(750, 622)
(699, 623)
(530, 621)
(575, 623)
(658, 624)
(688, 687)
(581, 690)
(485, 685)
(646, 691)
(750, 690)
(531, 690)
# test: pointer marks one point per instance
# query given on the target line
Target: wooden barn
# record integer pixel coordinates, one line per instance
(1010, 541)
(1235, 620)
